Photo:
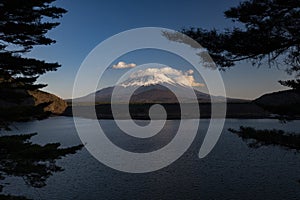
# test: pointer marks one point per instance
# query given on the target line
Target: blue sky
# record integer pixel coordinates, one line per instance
(88, 23)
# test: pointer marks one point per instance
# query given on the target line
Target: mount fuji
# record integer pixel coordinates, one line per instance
(154, 85)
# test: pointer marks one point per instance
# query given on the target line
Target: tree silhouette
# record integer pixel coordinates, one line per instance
(295, 84)
(23, 25)
(268, 30)
(33, 162)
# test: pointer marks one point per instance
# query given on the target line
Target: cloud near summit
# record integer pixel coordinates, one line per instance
(123, 65)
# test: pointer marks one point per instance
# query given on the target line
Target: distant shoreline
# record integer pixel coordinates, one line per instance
(246, 110)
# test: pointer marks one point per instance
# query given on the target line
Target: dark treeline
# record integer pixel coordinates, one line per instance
(141, 111)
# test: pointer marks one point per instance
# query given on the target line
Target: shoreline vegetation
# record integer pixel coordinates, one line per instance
(33, 162)
(256, 138)
(140, 111)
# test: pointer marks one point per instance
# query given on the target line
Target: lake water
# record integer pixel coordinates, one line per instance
(231, 171)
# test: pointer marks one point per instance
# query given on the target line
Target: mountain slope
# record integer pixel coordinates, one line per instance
(155, 85)
(151, 94)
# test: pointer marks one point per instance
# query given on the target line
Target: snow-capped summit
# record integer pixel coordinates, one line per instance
(165, 75)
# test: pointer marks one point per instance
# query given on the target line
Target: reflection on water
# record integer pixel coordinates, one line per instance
(140, 145)
(231, 171)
